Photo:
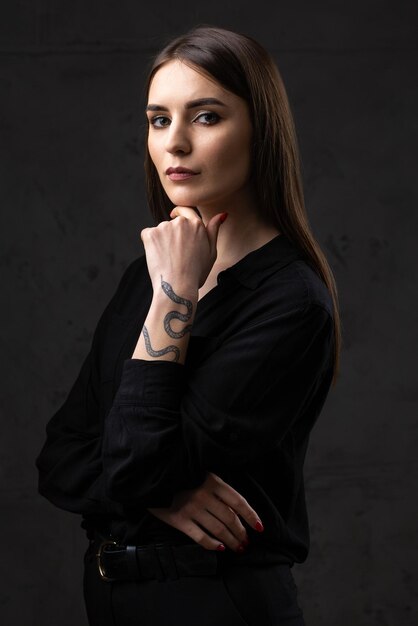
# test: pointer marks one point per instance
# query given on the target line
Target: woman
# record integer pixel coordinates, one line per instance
(182, 442)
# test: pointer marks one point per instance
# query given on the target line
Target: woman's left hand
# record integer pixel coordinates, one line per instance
(210, 513)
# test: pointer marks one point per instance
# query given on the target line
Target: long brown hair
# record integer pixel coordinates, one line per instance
(242, 66)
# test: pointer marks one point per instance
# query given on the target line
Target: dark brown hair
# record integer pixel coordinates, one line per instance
(242, 66)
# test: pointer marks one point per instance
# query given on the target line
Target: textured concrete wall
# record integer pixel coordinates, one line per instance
(72, 206)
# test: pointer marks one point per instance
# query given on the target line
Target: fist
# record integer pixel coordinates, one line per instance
(182, 250)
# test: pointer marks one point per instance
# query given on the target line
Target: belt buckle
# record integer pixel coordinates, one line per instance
(106, 542)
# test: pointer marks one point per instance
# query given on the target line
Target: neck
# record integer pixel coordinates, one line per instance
(243, 231)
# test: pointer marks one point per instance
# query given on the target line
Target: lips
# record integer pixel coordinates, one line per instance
(179, 170)
(180, 173)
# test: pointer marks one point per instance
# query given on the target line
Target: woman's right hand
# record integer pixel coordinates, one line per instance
(182, 250)
(209, 514)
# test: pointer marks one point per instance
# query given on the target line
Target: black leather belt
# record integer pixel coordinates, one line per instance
(159, 561)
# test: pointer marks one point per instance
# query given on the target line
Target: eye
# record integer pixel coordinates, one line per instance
(208, 118)
(159, 121)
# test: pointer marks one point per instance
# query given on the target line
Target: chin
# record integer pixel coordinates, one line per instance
(182, 199)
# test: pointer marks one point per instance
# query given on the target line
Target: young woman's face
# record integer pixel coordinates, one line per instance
(199, 139)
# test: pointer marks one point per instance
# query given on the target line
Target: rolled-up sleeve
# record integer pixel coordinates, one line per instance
(166, 430)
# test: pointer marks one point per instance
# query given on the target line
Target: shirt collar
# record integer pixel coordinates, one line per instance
(257, 265)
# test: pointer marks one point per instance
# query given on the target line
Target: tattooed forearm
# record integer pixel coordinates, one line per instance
(176, 315)
(172, 315)
(157, 353)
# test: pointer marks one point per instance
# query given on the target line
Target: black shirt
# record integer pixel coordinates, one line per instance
(133, 432)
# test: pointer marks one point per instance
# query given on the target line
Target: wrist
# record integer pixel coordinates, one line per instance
(166, 330)
(170, 288)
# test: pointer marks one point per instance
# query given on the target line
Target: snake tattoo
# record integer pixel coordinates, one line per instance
(183, 317)
(156, 353)
(175, 315)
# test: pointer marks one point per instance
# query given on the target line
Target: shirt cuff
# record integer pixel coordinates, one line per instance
(151, 383)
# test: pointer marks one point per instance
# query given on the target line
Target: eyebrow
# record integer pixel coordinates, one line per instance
(189, 105)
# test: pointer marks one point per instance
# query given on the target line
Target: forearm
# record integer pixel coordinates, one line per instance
(166, 331)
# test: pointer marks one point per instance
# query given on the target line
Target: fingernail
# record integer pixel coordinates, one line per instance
(246, 542)
(223, 217)
(259, 526)
(241, 548)
(221, 547)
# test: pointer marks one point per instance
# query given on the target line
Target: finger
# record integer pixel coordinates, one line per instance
(186, 524)
(144, 233)
(185, 211)
(215, 526)
(228, 517)
(212, 229)
(200, 536)
(237, 502)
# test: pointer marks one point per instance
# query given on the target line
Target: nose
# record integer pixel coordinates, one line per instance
(178, 140)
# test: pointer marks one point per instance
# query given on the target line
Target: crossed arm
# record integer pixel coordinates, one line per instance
(179, 255)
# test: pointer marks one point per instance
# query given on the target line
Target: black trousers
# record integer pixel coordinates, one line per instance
(236, 595)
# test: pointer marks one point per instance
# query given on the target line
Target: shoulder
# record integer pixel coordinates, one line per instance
(295, 288)
(303, 306)
(278, 286)
(308, 288)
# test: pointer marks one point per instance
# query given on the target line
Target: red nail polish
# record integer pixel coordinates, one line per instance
(259, 526)
(246, 542)
(221, 547)
(241, 548)
(223, 217)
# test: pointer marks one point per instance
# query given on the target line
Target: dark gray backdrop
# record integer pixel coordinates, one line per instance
(72, 207)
